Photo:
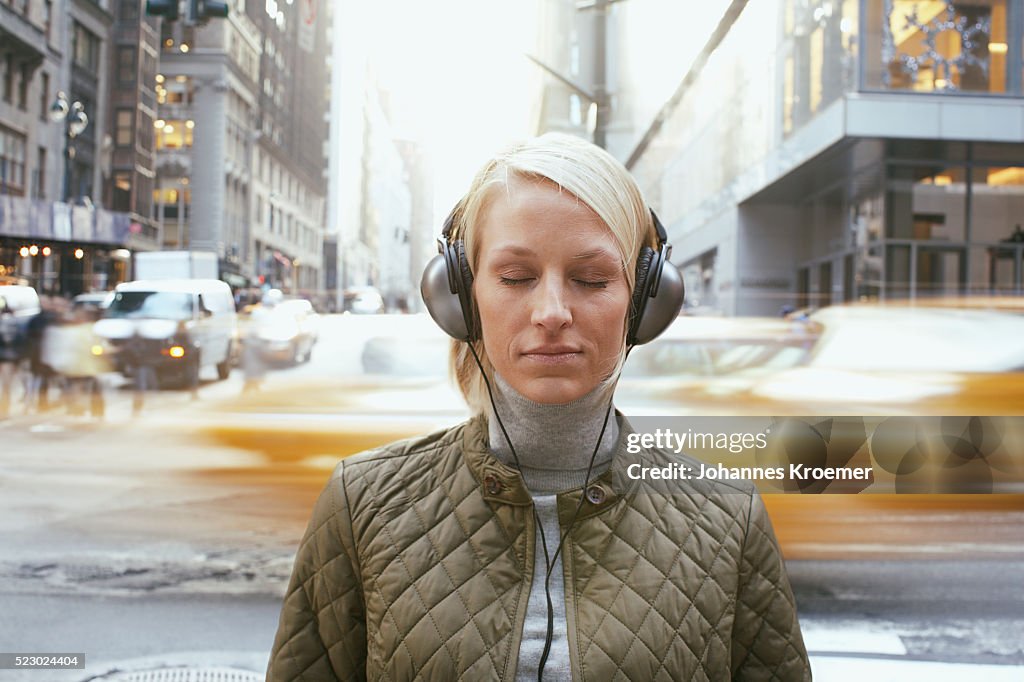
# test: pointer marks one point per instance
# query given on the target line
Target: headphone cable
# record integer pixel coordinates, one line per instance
(548, 562)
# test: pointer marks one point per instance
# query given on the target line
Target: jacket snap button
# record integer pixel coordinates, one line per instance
(595, 494)
(492, 485)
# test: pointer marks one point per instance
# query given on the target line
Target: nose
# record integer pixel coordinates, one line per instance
(550, 306)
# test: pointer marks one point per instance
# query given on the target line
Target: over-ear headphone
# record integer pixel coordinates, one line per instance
(447, 288)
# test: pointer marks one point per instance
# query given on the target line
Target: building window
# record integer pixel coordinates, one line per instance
(123, 133)
(86, 49)
(12, 162)
(145, 135)
(177, 91)
(122, 199)
(48, 17)
(174, 135)
(126, 64)
(8, 77)
(44, 95)
(129, 10)
(939, 46)
(23, 83)
(41, 173)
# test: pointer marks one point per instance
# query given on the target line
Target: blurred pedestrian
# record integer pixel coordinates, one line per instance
(137, 357)
(254, 360)
(71, 350)
(12, 350)
(41, 375)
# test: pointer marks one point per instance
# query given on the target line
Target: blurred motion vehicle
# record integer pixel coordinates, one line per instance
(18, 305)
(92, 304)
(863, 359)
(363, 301)
(283, 332)
(394, 385)
(845, 360)
(176, 326)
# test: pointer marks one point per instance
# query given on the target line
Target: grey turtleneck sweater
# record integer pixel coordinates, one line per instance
(554, 444)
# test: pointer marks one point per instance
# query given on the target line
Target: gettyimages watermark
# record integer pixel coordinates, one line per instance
(806, 455)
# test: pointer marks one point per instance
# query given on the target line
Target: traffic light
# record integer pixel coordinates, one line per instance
(202, 10)
(168, 9)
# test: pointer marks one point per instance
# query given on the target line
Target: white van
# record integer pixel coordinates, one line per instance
(177, 326)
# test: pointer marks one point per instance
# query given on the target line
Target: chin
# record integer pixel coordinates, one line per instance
(554, 391)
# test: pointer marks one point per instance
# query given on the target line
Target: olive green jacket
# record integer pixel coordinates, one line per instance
(418, 561)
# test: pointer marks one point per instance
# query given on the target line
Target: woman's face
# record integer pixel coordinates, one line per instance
(551, 292)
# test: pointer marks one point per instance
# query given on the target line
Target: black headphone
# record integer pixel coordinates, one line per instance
(447, 288)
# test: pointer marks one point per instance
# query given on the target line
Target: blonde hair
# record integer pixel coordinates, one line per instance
(578, 167)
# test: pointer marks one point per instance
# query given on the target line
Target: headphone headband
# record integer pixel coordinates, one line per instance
(447, 287)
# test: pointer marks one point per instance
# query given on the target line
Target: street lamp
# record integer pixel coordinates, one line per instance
(77, 121)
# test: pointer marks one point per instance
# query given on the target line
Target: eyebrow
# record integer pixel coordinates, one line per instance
(592, 254)
(595, 254)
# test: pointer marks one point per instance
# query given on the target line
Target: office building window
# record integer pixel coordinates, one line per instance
(41, 173)
(938, 46)
(25, 78)
(126, 63)
(122, 199)
(8, 77)
(123, 133)
(44, 95)
(174, 135)
(129, 10)
(86, 49)
(47, 17)
(12, 162)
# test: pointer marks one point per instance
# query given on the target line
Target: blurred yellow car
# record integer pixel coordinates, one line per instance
(890, 359)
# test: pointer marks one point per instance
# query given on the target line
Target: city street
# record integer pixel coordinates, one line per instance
(136, 541)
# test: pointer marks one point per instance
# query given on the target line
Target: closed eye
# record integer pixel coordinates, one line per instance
(511, 282)
(593, 284)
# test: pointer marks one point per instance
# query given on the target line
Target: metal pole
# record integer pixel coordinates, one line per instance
(601, 72)
(66, 194)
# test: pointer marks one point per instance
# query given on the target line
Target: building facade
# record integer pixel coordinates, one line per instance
(829, 151)
(241, 141)
(59, 227)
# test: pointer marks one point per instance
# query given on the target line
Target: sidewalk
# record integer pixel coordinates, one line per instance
(845, 654)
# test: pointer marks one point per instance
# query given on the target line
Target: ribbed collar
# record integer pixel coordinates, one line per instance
(554, 442)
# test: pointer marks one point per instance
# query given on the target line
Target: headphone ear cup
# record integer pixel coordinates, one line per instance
(659, 311)
(442, 304)
(640, 289)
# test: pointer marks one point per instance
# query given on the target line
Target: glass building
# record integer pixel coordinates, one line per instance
(844, 150)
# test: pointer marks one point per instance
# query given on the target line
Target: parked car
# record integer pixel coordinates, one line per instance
(18, 305)
(178, 326)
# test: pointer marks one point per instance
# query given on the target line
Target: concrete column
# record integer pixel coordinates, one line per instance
(206, 223)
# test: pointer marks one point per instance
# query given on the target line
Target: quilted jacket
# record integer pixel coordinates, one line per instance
(418, 561)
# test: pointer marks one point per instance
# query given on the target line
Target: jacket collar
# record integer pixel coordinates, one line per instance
(502, 484)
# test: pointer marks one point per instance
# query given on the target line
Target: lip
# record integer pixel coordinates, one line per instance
(552, 349)
(556, 354)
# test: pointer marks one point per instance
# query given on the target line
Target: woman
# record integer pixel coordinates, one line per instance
(514, 546)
